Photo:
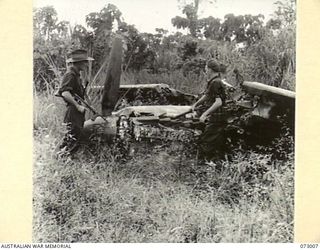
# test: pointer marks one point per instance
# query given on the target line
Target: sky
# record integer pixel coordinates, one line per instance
(147, 15)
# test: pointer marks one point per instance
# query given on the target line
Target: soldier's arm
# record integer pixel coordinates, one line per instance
(201, 100)
(217, 104)
(67, 96)
(66, 90)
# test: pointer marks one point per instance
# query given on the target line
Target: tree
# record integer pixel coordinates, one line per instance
(51, 41)
(211, 27)
(241, 28)
(191, 21)
(188, 48)
(282, 27)
(284, 16)
(44, 21)
(141, 48)
(102, 24)
(79, 35)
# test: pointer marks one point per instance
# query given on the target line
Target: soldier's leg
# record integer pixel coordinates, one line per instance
(212, 141)
(75, 135)
(67, 142)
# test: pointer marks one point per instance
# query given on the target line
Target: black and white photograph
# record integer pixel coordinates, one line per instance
(166, 121)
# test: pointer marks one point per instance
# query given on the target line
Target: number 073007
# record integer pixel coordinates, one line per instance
(309, 245)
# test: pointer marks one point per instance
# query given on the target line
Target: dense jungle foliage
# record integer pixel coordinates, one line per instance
(251, 47)
(159, 194)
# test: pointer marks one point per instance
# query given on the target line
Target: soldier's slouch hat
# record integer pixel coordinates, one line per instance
(78, 55)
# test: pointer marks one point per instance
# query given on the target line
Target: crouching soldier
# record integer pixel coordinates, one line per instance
(75, 114)
(212, 106)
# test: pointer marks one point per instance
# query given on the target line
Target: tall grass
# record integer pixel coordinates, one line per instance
(156, 195)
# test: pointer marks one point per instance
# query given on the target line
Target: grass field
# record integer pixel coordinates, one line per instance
(158, 195)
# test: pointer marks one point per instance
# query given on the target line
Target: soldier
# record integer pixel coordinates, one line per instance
(75, 115)
(212, 109)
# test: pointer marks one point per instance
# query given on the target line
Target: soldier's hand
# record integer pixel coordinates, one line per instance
(193, 108)
(81, 109)
(203, 118)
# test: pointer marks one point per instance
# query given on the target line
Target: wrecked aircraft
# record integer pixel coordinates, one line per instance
(158, 112)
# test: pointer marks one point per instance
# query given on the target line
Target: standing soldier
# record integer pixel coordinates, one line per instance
(212, 108)
(75, 115)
